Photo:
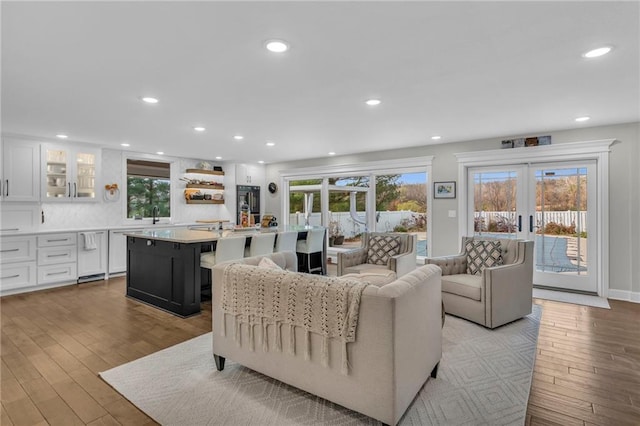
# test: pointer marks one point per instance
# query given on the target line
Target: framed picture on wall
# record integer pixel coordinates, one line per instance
(444, 189)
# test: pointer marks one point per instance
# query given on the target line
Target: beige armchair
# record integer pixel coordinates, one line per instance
(495, 296)
(380, 252)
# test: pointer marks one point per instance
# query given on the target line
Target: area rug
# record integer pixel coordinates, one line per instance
(568, 297)
(484, 379)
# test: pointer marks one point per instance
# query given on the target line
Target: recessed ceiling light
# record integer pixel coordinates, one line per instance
(238, 137)
(149, 100)
(61, 136)
(597, 52)
(581, 119)
(218, 158)
(435, 138)
(261, 162)
(269, 143)
(125, 144)
(199, 129)
(331, 153)
(373, 102)
(277, 46)
(160, 153)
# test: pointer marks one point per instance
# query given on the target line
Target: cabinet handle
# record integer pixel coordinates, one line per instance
(57, 255)
(6, 188)
(69, 189)
(9, 229)
(56, 273)
(58, 240)
(10, 276)
(8, 250)
(519, 223)
(75, 190)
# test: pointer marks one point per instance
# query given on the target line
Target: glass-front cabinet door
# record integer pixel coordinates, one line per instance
(70, 173)
(57, 184)
(85, 179)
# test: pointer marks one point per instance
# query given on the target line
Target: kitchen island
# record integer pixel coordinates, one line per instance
(163, 266)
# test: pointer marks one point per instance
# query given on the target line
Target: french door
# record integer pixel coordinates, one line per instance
(553, 204)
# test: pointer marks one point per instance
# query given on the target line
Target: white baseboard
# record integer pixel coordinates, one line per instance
(629, 296)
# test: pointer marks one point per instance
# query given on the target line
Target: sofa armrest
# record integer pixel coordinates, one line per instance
(510, 288)
(403, 263)
(351, 258)
(417, 330)
(450, 265)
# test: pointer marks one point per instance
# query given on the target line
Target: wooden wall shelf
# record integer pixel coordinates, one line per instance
(205, 172)
(200, 186)
(205, 201)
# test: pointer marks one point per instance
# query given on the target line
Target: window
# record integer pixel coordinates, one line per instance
(148, 186)
(384, 196)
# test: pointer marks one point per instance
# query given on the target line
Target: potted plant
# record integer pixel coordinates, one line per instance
(336, 238)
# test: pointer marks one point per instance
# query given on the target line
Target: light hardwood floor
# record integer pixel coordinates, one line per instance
(55, 342)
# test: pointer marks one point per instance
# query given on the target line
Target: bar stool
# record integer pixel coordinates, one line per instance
(312, 245)
(261, 244)
(286, 241)
(230, 248)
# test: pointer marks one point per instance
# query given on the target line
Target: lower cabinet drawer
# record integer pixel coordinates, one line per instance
(57, 273)
(18, 275)
(57, 239)
(57, 255)
(17, 249)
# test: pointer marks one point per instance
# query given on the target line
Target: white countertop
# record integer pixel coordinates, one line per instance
(179, 235)
(95, 229)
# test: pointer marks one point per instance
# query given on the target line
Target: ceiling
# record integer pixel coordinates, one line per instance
(460, 70)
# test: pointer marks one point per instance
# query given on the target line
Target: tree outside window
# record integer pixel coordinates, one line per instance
(148, 186)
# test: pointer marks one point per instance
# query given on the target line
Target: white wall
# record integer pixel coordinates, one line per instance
(624, 193)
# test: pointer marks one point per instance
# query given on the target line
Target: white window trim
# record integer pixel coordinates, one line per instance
(173, 173)
(588, 150)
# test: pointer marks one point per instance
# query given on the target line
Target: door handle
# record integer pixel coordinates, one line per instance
(530, 223)
(519, 223)
(69, 189)
(75, 190)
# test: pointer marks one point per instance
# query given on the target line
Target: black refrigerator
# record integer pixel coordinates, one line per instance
(251, 195)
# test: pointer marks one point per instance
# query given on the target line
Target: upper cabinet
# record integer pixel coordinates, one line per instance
(20, 170)
(250, 174)
(70, 172)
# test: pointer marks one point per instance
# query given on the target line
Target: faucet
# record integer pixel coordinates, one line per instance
(155, 212)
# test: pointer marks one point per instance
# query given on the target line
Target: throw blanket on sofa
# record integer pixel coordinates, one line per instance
(327, 306)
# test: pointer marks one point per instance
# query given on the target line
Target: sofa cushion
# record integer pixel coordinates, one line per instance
(378, 277)
(365, 268)
(482, 254)
(464, 285)
(381, 248)
(266, 262)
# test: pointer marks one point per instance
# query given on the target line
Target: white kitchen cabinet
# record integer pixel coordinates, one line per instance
(20, 217)
(20, 170)
(16, 276)
(18, 263)
(57, 258)
(92, 262)
(118, 250)
(250, 174)
(17, 249)
(70, 172)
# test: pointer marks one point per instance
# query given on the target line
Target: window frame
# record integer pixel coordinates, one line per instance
(173, 162)
(371, 169)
